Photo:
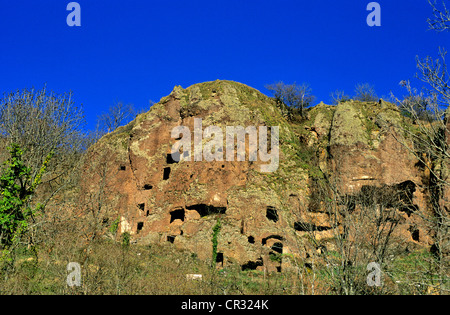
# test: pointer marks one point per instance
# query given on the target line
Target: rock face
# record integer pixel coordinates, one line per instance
(367, 156)
(157, 199)
(363, 153)
(130, 177)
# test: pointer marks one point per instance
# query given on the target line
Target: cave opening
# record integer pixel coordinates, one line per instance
(166, 173)
(219, 258)
(140, 226)
(148, 187)
(173, 158)
(398, 196)
(277, 237)
(415, 233)
(277, 247)
(309, 227)
(252, 265)
(178, 214)
(205, 210)
(272, 214)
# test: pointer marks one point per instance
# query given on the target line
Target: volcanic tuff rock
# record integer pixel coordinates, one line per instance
(365, 153)
(132, 179)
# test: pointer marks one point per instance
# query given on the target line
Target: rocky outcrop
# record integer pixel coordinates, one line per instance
(157, 199)
(131, 178)
(367, 156)
(363, 149)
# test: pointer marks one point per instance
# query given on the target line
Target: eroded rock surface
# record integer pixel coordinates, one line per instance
(159, 200)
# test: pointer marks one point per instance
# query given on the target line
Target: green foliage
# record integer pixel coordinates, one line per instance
(275, 257)
(16, 190)
(416, 272)
(114, 226)
(126, 240)
(216, 230)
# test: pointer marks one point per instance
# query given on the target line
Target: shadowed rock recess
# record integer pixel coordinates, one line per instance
(158, 200)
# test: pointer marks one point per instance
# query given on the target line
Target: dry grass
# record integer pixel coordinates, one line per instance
(109, 268)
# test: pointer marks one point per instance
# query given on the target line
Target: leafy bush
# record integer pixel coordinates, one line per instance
(216, 230)
(16, 189)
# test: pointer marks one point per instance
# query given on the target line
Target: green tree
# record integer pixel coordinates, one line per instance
(215, 242)
(16, 190)
(40, 122)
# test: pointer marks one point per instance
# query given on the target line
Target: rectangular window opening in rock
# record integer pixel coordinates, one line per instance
(166, 174)
(415, 233)
(178, 214)
(219, 258)
(140, 226)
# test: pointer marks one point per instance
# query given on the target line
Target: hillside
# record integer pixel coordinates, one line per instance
(266, 219)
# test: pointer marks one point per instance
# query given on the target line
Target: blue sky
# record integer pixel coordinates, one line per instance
(138, 50)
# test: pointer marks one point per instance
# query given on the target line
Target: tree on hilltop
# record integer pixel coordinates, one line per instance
(292, 96)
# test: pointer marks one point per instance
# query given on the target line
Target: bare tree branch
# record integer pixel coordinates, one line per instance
(118, 115)
(441, 17)
(293, 96)
(365, 92)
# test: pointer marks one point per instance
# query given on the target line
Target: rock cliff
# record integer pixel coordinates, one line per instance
(134, 180)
